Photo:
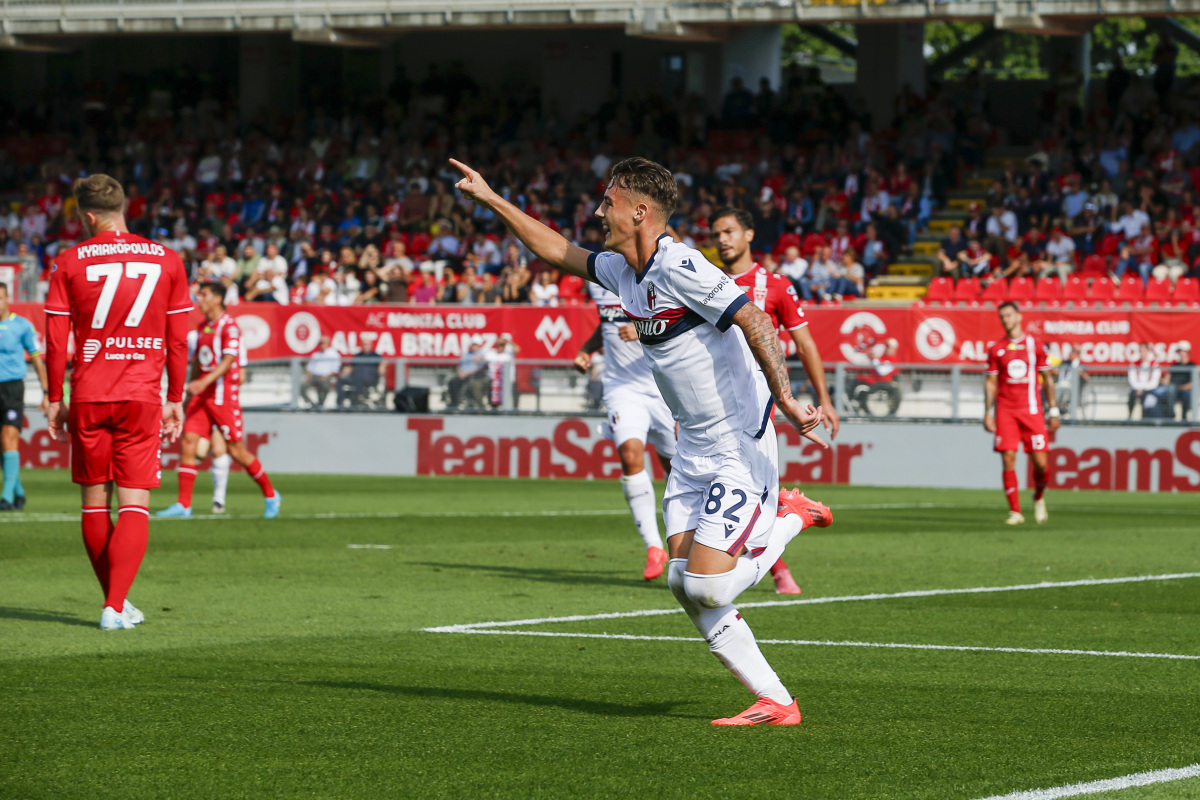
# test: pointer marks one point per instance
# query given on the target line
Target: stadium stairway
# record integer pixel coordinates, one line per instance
(907, 279)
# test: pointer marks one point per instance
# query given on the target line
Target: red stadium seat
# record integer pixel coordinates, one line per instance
(1102, 290)
(786, 241)
(1095, 265)
(1020, 290)
(995, 292)
(1187, 290)
(1048, 290)
(1131, 290)
(966, 289)
(811, 243)
(1158, 290)
(1076, 288)
(940, 289)
(1110, 245)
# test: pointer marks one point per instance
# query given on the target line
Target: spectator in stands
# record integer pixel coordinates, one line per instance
(1001, 231)
(950, 250)
(471, 378)
(1172, 256)
(321, 373)
(544, 292)
(974, 260)
(360, 376)
(448, 291)
(220, 268)
(849, 278)
(426, 292)
(1059, 256)
(1145, 380)
(1069, 371)
(794, 266)
(514, 290)
(1182, 376)
(1144, 249)
(489, 293)
(816, 284)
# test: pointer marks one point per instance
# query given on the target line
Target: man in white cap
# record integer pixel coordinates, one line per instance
(470, 368)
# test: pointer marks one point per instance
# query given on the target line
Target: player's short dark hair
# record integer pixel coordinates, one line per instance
(1008, 304)
(650, 180)
(99, 193)
(214, 288)
(740, 214)
(4, 286)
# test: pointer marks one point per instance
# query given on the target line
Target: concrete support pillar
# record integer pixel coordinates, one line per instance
(1069, 62)
(752, 53)
(890, 56)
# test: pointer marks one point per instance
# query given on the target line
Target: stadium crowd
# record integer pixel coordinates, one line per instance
(360, 207)
(1110, 193)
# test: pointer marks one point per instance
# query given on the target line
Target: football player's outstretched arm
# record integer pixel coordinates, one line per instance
(763, 340)
(545, 243)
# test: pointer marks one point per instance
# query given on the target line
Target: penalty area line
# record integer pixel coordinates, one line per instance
(476, 626)
(821, 643)
(1107, 785)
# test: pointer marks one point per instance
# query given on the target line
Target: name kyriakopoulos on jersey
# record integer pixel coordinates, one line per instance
(120, 248)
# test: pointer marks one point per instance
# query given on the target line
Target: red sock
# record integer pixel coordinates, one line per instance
(261, 478)
(1039, 483)
(126, 549)
(187, 480)
(97, 529)
(778, 567)
(1012, 491)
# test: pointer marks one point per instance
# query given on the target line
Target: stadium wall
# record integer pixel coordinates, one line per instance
(867, 454)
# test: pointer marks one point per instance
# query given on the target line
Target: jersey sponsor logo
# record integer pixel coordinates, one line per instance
(1018, 370)
(650, 327)
(205, 355)
(612, 314)
(553, 333)
(91, 348)
(716, 291)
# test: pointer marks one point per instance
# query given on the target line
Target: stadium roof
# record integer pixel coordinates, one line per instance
(350, 22)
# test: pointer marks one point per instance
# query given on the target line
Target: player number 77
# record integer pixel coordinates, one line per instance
(111, 274)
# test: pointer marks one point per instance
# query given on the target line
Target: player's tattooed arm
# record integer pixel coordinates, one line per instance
(761, 337)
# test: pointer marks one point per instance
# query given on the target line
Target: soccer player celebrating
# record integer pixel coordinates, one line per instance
(1012, 388)
(216, 378)
(722, 497)
(16, 339)
(126, 300)
(637, 415)
(774, 294)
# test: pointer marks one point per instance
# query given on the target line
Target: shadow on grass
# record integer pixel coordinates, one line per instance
(546, 575)
(30, 615)
(598, 707)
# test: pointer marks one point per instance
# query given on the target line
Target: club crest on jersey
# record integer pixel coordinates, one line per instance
(651, 295)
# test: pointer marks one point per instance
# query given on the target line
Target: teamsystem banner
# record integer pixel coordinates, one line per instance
(925, 335)
(865, 454)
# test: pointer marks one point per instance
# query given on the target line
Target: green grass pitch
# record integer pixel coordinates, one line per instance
(276, 661)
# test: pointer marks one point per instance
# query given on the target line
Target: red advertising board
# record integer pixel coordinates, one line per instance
(926, 335)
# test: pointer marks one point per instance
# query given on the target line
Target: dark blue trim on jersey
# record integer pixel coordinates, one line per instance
(591, 266)
(727, 318)
(766, 418)
(684, 324)
(642, 274)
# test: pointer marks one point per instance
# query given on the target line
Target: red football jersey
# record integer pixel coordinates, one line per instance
(219, 338)
(118, 290)
(773, 294)
(1017, 362)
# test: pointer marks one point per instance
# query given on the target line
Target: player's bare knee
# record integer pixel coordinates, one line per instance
(633, 456)
(709, 591)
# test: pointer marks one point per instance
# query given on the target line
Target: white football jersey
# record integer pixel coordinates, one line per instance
(683, 307)
(625, 364)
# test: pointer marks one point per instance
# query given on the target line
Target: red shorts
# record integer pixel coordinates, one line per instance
(1020, 427)
(116, 442)
(203, 414)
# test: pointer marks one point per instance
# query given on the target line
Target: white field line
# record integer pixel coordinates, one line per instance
(819, 643)
(26, 518)
(476, 626)
(1108, 785)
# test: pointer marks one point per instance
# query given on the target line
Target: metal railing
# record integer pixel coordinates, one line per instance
(910, 392)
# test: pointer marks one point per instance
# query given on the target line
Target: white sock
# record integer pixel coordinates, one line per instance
(784, 530)
(639, 494)
(732, 642)
(220, 476)
(722, 589)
